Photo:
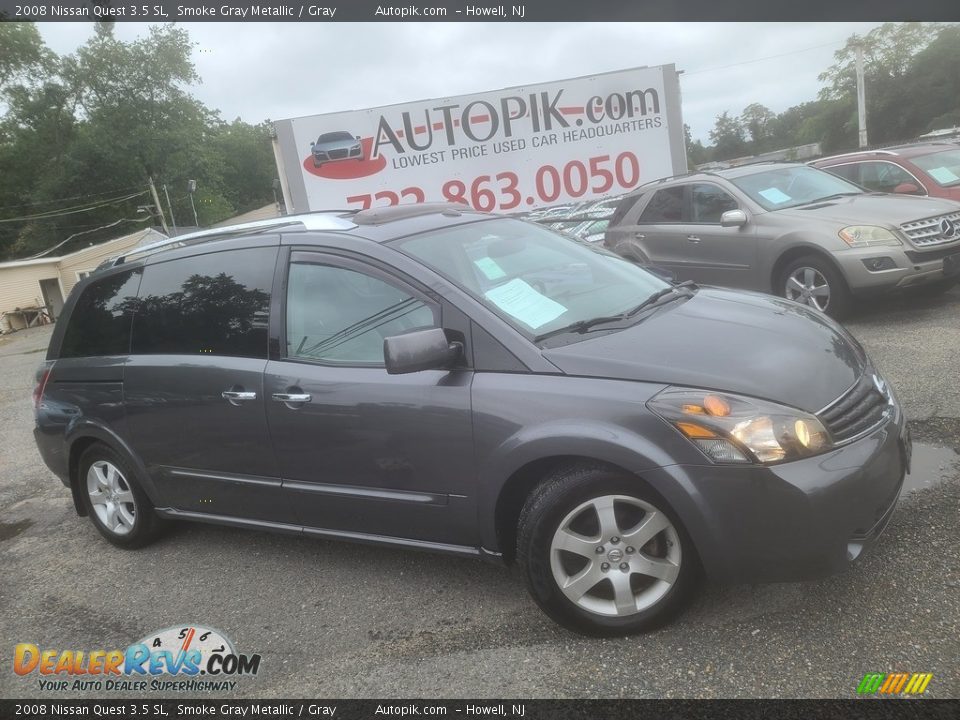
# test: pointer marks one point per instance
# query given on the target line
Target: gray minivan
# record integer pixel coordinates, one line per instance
(435, 378)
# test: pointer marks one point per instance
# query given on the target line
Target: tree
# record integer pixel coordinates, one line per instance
(97, 124)
(728, 137)
(756, 120)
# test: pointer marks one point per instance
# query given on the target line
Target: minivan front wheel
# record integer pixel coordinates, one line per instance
(602, 555)
(119, 509)
(813, 281)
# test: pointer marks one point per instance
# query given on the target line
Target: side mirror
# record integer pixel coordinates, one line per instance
(420, 350)
(907, 188)
(357, 137)
(733, 218)
(312, 143)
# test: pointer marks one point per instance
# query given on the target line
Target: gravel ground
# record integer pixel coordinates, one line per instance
(340, 620)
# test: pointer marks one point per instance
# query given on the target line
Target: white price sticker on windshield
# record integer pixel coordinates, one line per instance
(774, 195)
(518, 299)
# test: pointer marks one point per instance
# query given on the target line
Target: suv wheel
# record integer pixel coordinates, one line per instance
(813, 281)
(602, 556)
(119, 509)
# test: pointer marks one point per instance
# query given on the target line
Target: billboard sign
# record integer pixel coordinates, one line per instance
(503, 151)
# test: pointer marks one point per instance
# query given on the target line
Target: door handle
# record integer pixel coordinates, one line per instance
(639, 236)
(693, 238)
(292, 397)
(238, 395)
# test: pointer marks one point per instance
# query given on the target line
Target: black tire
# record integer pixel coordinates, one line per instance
(549, 506)
(838, 305)
(145, 526)
(937, 287)
(317, 164)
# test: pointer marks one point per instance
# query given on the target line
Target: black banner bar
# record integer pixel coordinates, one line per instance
(865, 709)
(475, 10)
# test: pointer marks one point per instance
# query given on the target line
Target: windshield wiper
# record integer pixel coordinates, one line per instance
(581, 326)
(835, 196)
(660, 295)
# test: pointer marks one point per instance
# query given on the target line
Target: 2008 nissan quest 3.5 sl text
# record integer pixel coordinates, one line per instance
(431, 377)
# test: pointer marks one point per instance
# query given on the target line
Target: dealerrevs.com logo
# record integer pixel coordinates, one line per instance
(184, 658)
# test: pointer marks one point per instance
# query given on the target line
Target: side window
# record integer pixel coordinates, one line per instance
(666, 206)
(850, 171)
(708, 203)
(884, 176)
(623, 208)
(215, 304)
(100, 321)
(338, 315)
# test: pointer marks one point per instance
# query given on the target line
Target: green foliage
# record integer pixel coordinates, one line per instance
(97, 124)
(912, 86)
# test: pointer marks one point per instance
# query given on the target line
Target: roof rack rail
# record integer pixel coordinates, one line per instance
(323, 220)
(880, 151)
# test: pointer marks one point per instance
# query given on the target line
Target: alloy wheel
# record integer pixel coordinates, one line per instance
(807, 285)
(111, 497)
(615, 555)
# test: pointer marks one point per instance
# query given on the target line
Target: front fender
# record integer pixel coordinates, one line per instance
(598, 441)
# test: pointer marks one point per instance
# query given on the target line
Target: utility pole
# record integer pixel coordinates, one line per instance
(170, 208)
(861, 97)
(191, 189)
(156, 204)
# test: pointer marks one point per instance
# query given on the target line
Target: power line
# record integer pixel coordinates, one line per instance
(768, 57)
(84, 232)
(72, 211)
(72, 197)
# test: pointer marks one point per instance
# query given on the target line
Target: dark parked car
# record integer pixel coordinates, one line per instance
(434, 378)
(922, 169)
(336, 146)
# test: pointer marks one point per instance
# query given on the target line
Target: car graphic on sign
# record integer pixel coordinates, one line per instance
(336, 146)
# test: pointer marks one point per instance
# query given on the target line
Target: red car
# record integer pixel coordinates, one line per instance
(924, 169)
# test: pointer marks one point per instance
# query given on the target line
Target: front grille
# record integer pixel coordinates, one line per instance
(861, 408)
(933, 231)
(338, 154)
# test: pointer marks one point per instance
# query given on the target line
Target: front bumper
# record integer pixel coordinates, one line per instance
(796, 521)
(912, 267)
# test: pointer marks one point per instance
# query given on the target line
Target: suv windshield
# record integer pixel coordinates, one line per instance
(786, 187)
(943, 167)
(534, 279)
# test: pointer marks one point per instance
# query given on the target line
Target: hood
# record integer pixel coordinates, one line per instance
(872, 209)
(740, 342)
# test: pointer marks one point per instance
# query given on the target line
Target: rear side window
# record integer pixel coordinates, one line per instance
(215, 304)
(850, 171)
(100, 321)
(623, 208)
(666, 206)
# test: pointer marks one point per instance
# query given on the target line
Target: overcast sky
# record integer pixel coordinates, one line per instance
(257, 71)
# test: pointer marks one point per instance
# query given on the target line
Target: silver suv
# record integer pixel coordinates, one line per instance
(793, 230)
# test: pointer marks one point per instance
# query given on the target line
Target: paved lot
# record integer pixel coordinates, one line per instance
(341, 620)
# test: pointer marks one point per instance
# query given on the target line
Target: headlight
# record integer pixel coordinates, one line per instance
(735, 429)
(868, 235)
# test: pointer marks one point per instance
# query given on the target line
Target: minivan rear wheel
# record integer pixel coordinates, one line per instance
(116, 504)
(603, 555)
(813, 281)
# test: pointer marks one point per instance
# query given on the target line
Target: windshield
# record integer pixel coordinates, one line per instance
(534, 279)
(786, 187)
(943, 167)
(334, 136)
